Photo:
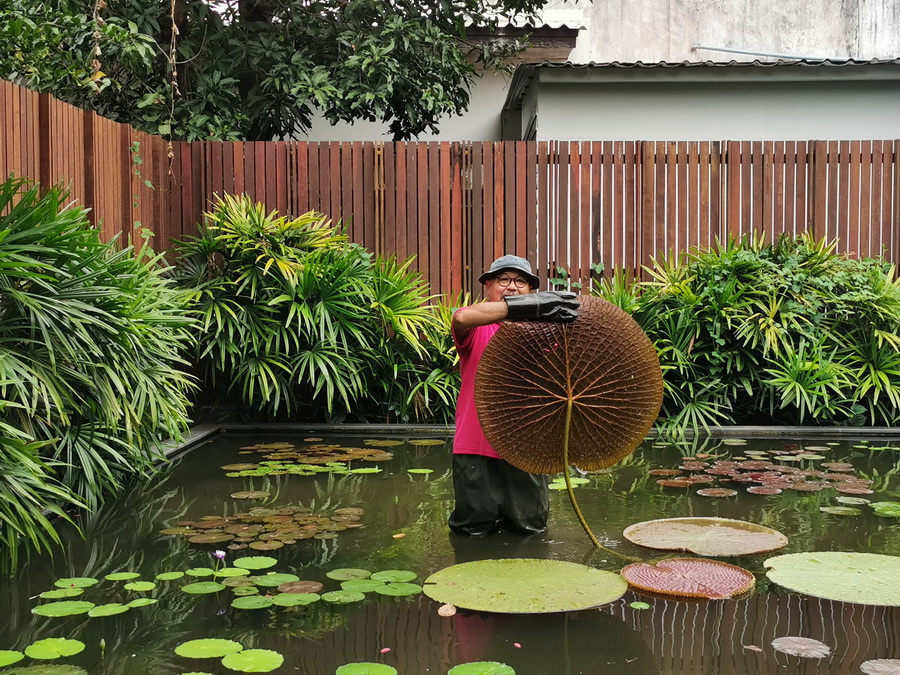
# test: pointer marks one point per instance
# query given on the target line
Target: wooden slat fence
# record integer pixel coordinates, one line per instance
(457, 206)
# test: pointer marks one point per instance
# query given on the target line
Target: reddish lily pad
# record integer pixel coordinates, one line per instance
(301, 587)
(716, 492)
(706, 536)
(690, 577)
(249, 494)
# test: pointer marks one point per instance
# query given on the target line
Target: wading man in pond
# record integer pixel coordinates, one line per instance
(490, 493)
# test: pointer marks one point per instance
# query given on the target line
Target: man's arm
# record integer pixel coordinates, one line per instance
(482, 314)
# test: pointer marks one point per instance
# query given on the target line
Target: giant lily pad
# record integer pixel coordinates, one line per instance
(64, 608)
(345, 573)
(54, 648)
(705, 536)
(295, 599)
(207, 648)
(253, 661)
(863, 578)
(886, 509)
(690, 577)
(62, 593)
(275, 579)
(524, 586)
(140, 586)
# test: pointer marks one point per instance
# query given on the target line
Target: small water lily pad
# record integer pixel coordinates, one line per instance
(524, 586)
(840, 510)
(250, 494)
(207, 648)
(295, 599)
(64, 608)
(121, 576)
(366, 469)
(706, 536)
(638, 605)
(255, 562)
(426, 441)
(886, 509)
(253, 661)
(169, 576)
(9, 656)
(394, 575)
(245, 590)
(856, 501)
(420, 471)
(301, 587)
(365, 669)
(863, 578)
(245, 466)
(343, 597)
(142, 602)
(75, 582)
(482, 668)
(270, 545)
(203, 587)
(880, 667)
(716, 492)
(53, 648)
(252, 602)
(275, 579)
(345, 573)
(211, 538)
(361, 585)
(140, 586)
(801, 646)
(200, 572)
(62, 593)
(398, 589)
(110, 609)
(690, 577)
(232, 572)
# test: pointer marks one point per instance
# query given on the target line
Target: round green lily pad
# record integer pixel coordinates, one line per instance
(252, 602)
(169, 576)
(62, 593)
(54, 648)
(856, 501)
(110, 609)
(140, 586)
(121, 576)
(394, 575)
(255, 562)
(295, 599)
(365, 669)
(524, 586)
(367, 469)
(232, 572)
(253, 661)
(142, 602)
(274, 579)
(862, 578)
(398, 589)
(346, 573)
(840, 510)
(420, 471)
(245, 590)
(202, 587)
(207, 648)
(8, 657)
(343, 597)
(705, 536)
(638, 605)
(75, 582)
(361, 585)
(886, 509)
(64, 608)
(200, 572)
(482, 668)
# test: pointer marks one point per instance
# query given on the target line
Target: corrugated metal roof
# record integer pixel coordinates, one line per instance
(720, 64)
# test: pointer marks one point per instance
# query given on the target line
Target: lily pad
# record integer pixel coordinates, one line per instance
(266, 545)
(142, 602)
(207, 648)
(361, 585)
(75, 582)
(54, 648)
(524, 586)
(245, 590)
(880, 667)
(169, 576)
(200, 572)
(863, 578)
(398, 589)
(852, 500)
(345, 573)
(394, 575)
(203, 587)
(840, 510)
(420, 471)
(8, 657)
(426, 441)
(255, 562)
(227, 572)
(140, 586)
(343, 597)
(64, 608)
(62, 593)
(250, 494)
(121, 576)
(302, 587)
(801, 646)
(252, 602)
(482, 668)
(886, 509)
(110, 609)
(365, 669)
(211, 538)
(690, 577)
(253, 661)
(706, 536)
(275, 579)
(295, 599)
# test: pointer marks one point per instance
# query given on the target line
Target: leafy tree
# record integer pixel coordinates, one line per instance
(254, 69)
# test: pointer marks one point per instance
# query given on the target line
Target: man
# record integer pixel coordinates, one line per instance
(491, 493)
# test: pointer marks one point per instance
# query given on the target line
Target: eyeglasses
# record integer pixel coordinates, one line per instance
(520, 282)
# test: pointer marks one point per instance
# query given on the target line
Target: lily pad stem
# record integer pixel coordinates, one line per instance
(568, 478)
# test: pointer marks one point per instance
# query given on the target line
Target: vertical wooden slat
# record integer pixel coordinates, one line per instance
(865, 200)
(390, 188)
(530, 198)
(499, 202)
(607, 198)
(423, 198)
(398, 224)
(573, 172)
(647, 240)
(335, 209)
(435, 214)
(877, 233)
(543, 216)
(445, 220)
(766, 218)
(508, 205)
(693, 192)
(412, 194)
(521, 199)
(704, 176)
(455, 253)
(853, 199)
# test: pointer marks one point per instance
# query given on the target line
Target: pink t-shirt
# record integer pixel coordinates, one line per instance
(469, 438)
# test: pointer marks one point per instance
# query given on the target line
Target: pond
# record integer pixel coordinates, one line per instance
(392, 516)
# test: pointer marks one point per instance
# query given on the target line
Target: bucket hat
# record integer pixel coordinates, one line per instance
(511, 262)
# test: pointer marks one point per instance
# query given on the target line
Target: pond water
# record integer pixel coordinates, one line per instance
(404, 528)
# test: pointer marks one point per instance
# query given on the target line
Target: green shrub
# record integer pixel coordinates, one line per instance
(297, 322)
(785, 332)
(90, 378)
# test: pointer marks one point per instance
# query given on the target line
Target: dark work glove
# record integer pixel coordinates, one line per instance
(558, 306)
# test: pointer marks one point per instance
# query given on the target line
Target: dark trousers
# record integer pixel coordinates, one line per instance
(492, 494)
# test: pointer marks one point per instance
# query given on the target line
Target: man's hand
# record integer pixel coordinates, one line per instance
(560, 306)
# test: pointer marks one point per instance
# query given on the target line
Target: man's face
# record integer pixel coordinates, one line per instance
(507, 282)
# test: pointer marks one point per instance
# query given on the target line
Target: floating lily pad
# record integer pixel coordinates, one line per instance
(426, 441)
(227, 572)
(252, 602)
(705, 536)
(62, 593)
(250, 494)
(524, 586)
(801, 646)
(301, 587)
(886, 509)
(110, 609)
(394, 575)
(863, 578)
(482, 668)
(840, 510)
(240, 466)
(638, 605)
(255, 562)
(880, 667)
(716, 492)
(852, 500)
(343, 597)
(295, 599)
(398, 589)
(211, 538)
(140, 586)
(200, 572)
(54, 648)
(142, 602)
(361, 585)
(64, 608)
(345, 573)
(253, 661)
(275, 579)
(420, 471)
(203, 587)
(270, 545)
(690, 577)
(241, 591)
(207, 648)
(365, 669)
(9, 657)
(75, 582)
(169, 576)
(121, 576)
